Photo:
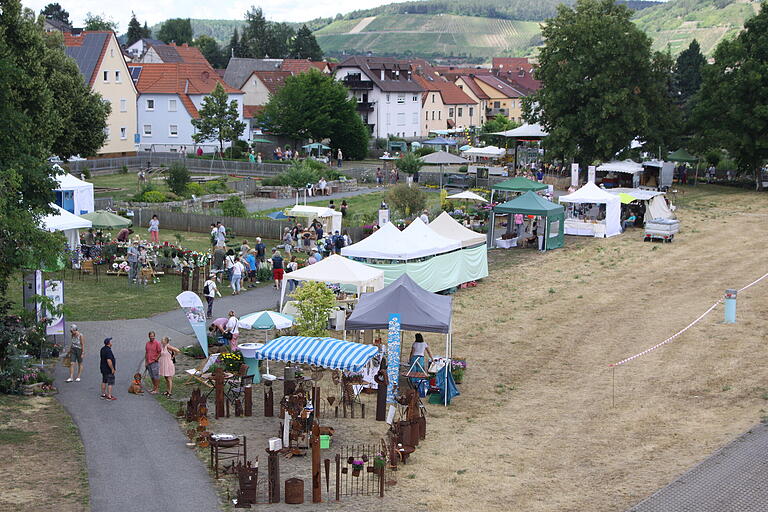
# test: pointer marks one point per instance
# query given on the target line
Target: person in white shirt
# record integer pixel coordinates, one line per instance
(229, 262)
(418, 349)
(210, 290)
(321, 186)
(233, 330)
(424, 217)
(237, 276)
(221, 234)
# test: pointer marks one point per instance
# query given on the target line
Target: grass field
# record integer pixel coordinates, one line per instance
(536, 429)
(122, 187)
(43, 457)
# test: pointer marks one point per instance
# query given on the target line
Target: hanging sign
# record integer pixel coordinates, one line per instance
(574, 175)
(54, 290)
(591, 173)
(393, 357)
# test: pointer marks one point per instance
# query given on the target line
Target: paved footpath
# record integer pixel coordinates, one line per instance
(135, 452)
(733, 479)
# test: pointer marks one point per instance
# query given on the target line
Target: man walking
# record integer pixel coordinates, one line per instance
(260, 250)
(108, 367)
(210, 290)
(151, 357)
(339, 158)
(76, 349)
(133, 260)
(221, 234)
(277, 268)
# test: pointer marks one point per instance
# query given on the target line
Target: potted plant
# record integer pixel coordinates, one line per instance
(357, 465)
(458, 367)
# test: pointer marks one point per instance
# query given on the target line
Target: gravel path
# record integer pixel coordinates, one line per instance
(257, 204)
(135, 451)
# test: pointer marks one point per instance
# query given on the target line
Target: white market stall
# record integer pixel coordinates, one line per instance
(66, 222)
(486, 158)
(448, 227)
(74, 195)
(656, 206)
(657, 173)
(328, 217)
(584, 216)
(619, 173)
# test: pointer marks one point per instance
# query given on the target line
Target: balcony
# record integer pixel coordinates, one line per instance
(365, 106)
(355, 84)
(493, 112)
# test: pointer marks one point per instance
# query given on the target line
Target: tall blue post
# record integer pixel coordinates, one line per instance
(730, 306)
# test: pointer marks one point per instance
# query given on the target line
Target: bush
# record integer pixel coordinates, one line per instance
(463, 168)
(272, 182)
(86, 172)
(409, 163)
(178, 178)
(123, 169)
(152, 196)
(299, 175)
(234, 207)
(195, 189)
(407, 200)
(423, 151)
(216, 187)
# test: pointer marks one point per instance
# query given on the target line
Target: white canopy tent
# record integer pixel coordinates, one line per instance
(379, 245)
(626, 166)
(592, 194)
(468, 195)
(337, 269)
(64, 221)
(421, 241)
(448, 227)
(531, 131)
(492, 167)
(330, 218)
(487, 152)
(74, 195)
(656, 206)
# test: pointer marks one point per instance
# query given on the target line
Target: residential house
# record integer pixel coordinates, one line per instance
(257, 89)
(157, 52)
(388, 98)
(297, 66)
(468, 85)
(170, 96)
(240, 69)
(140, 47)
(101, 62)
(445, 106)
(54, 25)
(516, 71)
(503, 99)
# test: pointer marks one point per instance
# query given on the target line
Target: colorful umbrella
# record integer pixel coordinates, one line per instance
(265, 320)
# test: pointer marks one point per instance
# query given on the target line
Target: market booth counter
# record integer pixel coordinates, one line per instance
(592, 211)
(532, 204)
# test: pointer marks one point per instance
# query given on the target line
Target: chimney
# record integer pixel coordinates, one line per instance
(382, 74)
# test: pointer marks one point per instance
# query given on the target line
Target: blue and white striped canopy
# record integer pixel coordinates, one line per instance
(325, 352)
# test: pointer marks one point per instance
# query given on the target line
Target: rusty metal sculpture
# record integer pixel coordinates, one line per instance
(269, 400)
(218, 384)
(315, 443)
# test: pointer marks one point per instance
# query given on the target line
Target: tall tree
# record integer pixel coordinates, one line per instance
(596, 73)
(34, 119)
(730, 109)
(687, 75)
(665, 120)
(234, 48)
(177, 30)
(304, 46)
(256, 34)
(280, 36)
(315, 106)
(211, 51)
(99, 22)
(135, 32)
(219, 119)
(145, 31)
(55, 11)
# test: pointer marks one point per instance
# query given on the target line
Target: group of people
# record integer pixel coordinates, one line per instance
(394, 177)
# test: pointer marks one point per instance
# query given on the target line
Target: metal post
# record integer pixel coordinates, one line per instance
(730, 306)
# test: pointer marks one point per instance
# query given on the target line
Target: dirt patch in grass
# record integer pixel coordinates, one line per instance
(43, 458)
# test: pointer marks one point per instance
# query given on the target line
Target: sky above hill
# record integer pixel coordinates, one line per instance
(154, 11)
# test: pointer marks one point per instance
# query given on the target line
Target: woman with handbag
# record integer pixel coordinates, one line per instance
(167, 364)
(231, 331)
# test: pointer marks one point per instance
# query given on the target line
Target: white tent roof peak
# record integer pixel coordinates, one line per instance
(589, 193)
(469, 195)
(67, 182)
(62, 220)
(487, 151)
(302, 210)
(389, 243)
(448, 227)
(627, 166)
(421, 240)
(526, 130)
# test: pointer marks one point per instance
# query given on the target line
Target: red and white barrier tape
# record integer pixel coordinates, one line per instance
(708, 311)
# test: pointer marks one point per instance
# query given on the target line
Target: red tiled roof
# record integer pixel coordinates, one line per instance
(521, 79)
(449, 91)
(501, 86)
(179, 78)
(190, 54)
(472, 85)
(251, 111)
(272, 80)
(507, 63)
(302, 65)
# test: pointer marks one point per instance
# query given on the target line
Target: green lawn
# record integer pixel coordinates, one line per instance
(122, 187)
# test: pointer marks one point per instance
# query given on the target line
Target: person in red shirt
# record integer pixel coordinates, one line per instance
(151, 357)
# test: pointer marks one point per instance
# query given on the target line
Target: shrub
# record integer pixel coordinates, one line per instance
(271, 182)
(195, 189)
(144, 189)
(463, 168)
(314, 302)
(216, 187)
(423, 151)
(407, 200)
(123, 169)
(409, 163)
(152, 196)
(234, 207)
(178, 178)
(299, 175)
(87, 173)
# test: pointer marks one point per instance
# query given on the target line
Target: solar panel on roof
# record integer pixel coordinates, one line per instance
(135, 73)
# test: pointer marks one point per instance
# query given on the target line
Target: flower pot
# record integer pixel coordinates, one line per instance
(356, 472)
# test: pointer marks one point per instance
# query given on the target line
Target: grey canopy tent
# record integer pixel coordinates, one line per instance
(442, 158)
(419, 310)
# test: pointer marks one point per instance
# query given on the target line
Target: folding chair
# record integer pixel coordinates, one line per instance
(196, 373)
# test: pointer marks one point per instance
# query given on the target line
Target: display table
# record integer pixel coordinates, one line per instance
(506, 244)
(584, 228)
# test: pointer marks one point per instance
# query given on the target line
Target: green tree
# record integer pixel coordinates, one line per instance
(177, 30)
(234, 48)
(665, 120)
(55, 11)
(304, 46)
(255, 39)
(82, 113)
(499, 123)
(234, 207)
(279, 41)
(145, 31)
(409, 163)
(406, 200)
(596, 73)
(730, 109)
(314, 302)
(99, 22)
(211, 51)
(687, 73)
(135, 32)
(298, 175)
(29, 109)
(315, 106)
(219, 119)
(178, 178)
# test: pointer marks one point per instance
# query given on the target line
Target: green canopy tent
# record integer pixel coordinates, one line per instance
(518, 184)
(531, 203)
(106, 220)
(315, 145)
(681, 155)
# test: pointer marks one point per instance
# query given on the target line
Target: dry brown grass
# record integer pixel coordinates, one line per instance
(535, 428)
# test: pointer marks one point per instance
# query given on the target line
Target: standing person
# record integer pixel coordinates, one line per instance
(277, 268)
(252, 267)
(711, 174)
(519, 224)
(221, 234)
(214, 235)
(151, 356)
(379, 177)
(76, 350)
(199, 152)
(251, 157)
(210, 290)
(218, 261)
(133, 260)
(260, 249)
(292, 266)
(338, 242)
(244, 249)
(108, 367)
(237, 276)
(344, 207)
(347, 238)
(339, 158)
(259, 158)
(321, 185)
(167, 368)
(287, 241)
(232, 329)
(229, 262)
(418, 349)
(424, 217)
(154, 229)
